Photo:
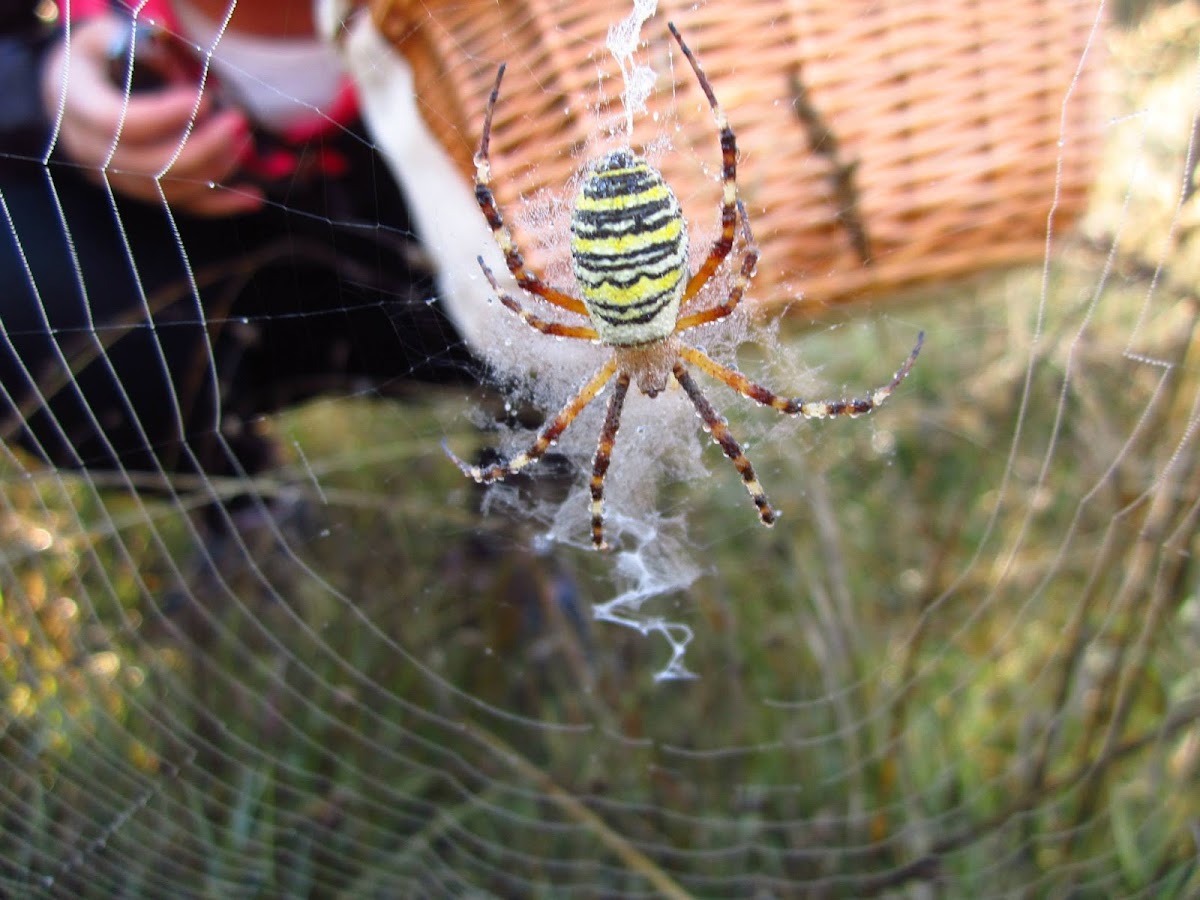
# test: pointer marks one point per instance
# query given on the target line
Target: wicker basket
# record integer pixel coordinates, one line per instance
(947, 114)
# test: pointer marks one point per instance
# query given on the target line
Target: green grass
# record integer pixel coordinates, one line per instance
(913, 672)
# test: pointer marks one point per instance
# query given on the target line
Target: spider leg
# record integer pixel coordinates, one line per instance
(546, 437)
(729, 202)
(720, 432)
(513, 258)
(608, 437)
(740, 284)
(558, 329)
(810, 409)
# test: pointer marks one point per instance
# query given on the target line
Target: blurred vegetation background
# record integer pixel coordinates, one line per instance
(965, 664)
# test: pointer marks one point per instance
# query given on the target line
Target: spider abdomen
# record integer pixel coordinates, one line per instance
(629, 250)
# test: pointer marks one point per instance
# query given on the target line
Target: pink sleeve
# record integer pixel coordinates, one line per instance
(153, 10)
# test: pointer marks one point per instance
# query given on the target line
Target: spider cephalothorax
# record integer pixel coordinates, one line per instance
(629, 252)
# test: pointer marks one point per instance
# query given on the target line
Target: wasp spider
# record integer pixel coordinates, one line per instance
(629, 251)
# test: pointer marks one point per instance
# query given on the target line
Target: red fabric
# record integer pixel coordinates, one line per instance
(159, 11)
(341, 112)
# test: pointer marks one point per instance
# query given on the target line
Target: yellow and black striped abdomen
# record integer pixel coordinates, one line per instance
(629, 249)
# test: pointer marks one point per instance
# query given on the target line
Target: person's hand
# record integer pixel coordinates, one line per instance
(143, 144)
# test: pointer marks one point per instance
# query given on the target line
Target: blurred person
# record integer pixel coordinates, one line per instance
(176, 262)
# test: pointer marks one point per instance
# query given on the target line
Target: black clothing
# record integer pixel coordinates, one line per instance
(24, 40)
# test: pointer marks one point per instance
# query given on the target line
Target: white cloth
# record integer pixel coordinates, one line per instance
(279, 81)
(441, 201)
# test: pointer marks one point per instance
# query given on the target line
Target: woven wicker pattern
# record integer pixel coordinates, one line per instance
(952, 109)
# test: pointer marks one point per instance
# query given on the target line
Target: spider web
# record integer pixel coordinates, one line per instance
(963, 661)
